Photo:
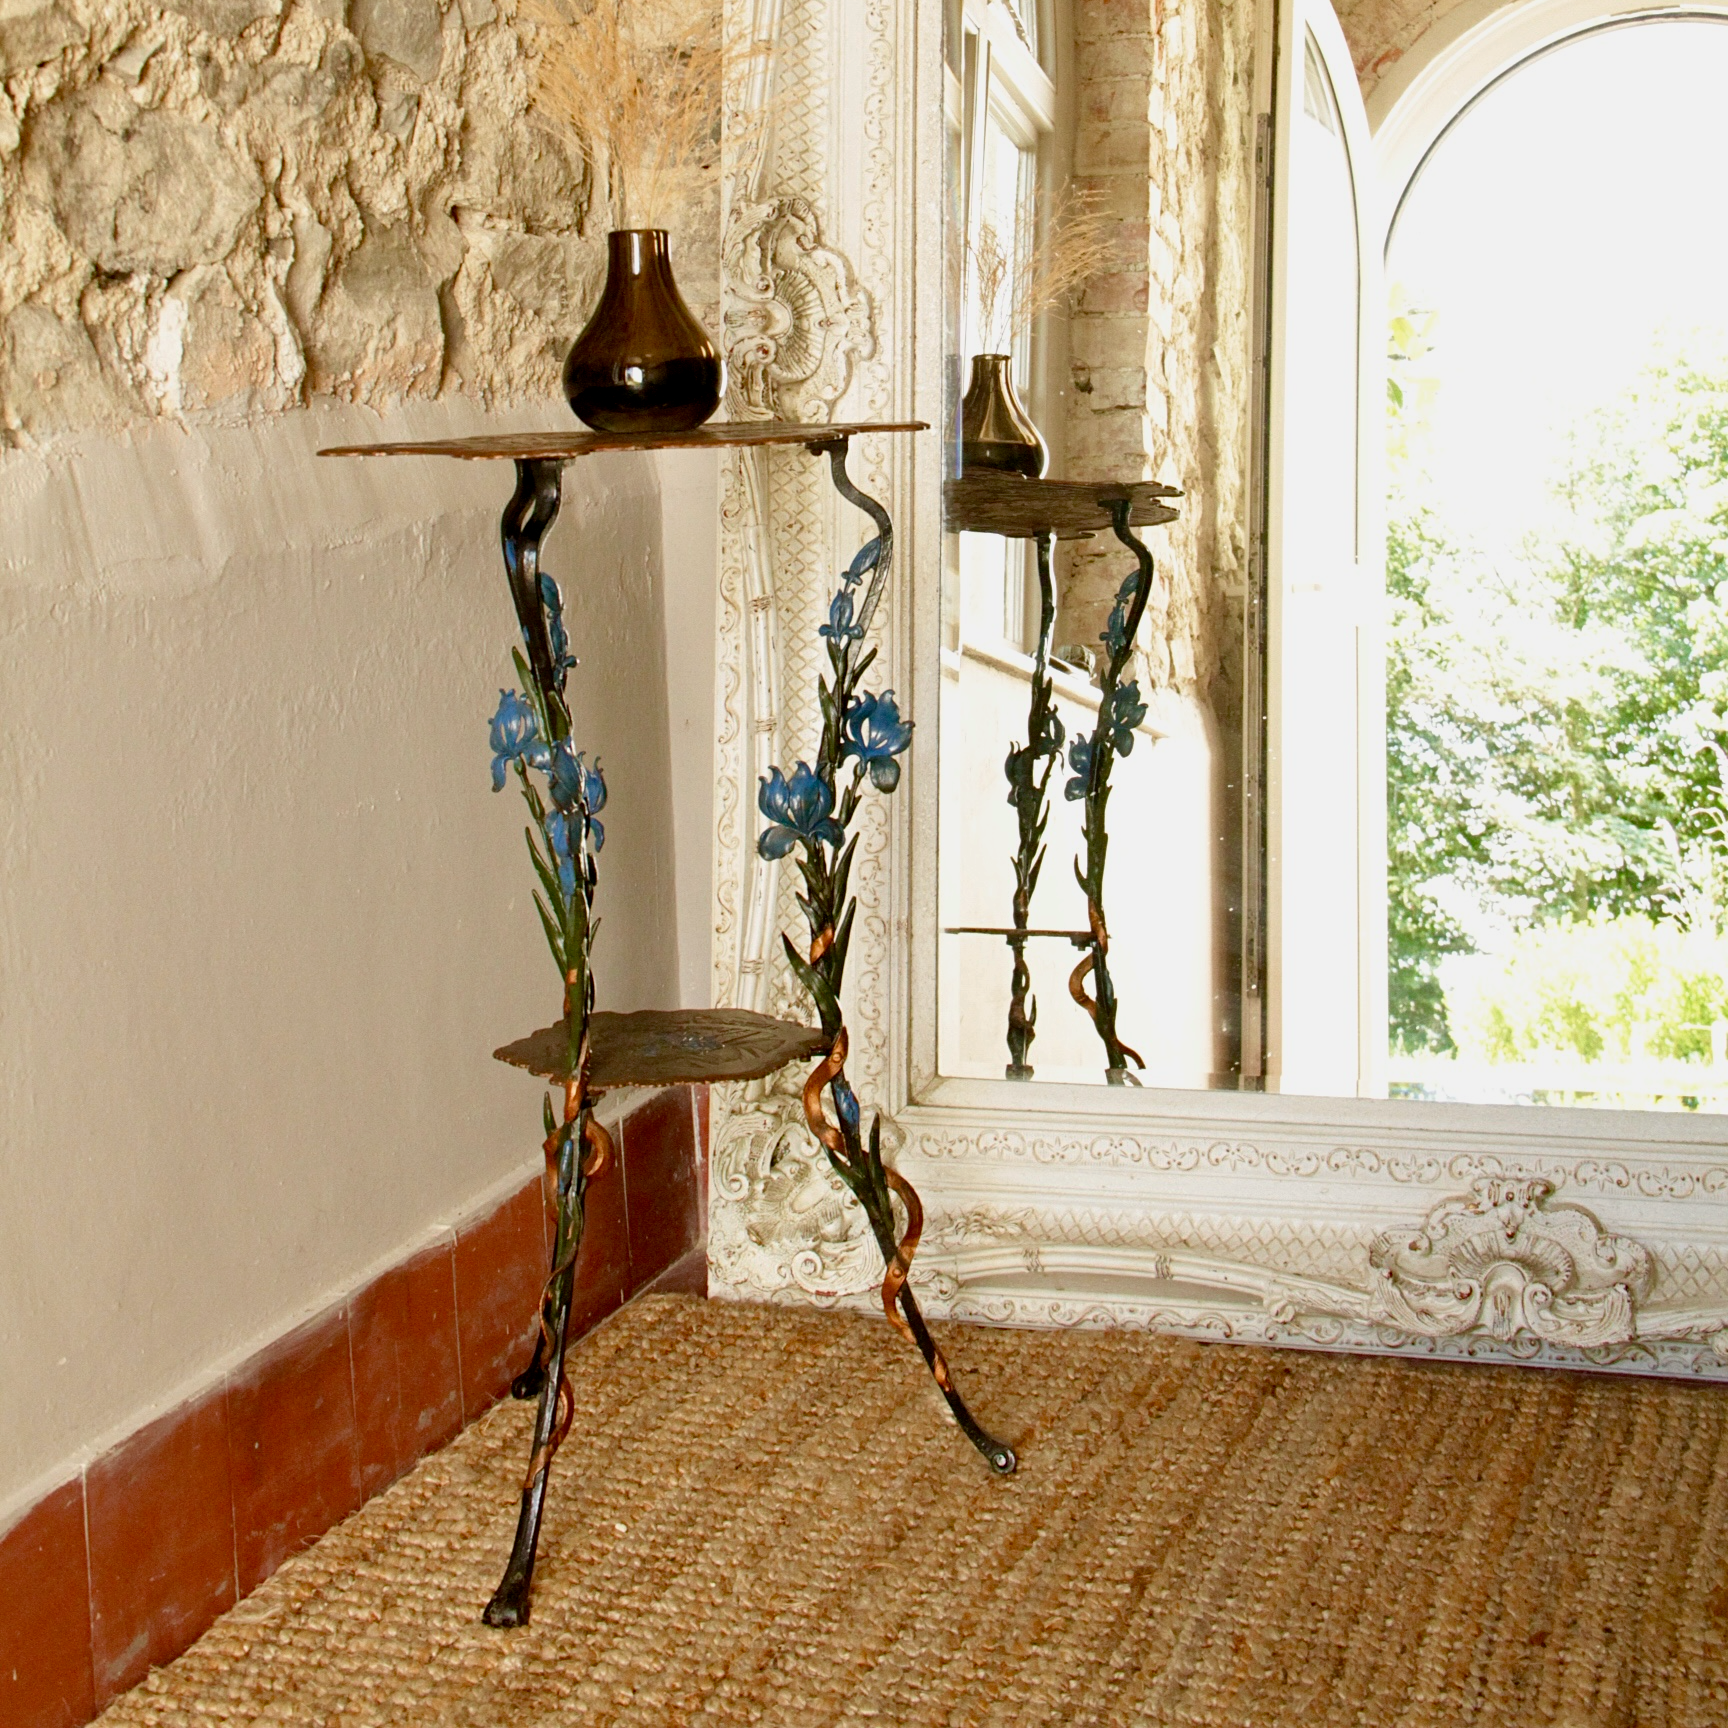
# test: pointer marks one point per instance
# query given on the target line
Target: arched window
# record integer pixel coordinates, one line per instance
(1560, 706)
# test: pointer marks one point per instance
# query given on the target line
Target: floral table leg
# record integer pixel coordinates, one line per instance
(1120, 710)
(812, 811)
(531, 737)
(1028, 789)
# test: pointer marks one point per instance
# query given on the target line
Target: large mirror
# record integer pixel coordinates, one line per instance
(1368, 763)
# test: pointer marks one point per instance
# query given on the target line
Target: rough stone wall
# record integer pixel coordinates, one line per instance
(226, 207)
(1160, 348)
(1382, 32)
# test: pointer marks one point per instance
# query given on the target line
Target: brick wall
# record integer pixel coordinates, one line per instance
(1160, 346)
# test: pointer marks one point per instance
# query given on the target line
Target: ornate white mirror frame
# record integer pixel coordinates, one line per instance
(1562, 1237)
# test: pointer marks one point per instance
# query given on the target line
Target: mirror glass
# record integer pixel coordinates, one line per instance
(1437, 812)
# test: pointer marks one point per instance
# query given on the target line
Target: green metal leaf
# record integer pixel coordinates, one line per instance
(553, 938)
(843, 871)
(827, 1005)
(835, 959)
(548, 880)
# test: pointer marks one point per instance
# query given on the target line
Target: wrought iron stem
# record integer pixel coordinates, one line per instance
(528, 517)
(1028, 792)
(512, 1600)
(823, 818)
(897, 1293)
(1102, 1009)
(577, 1148)
(835, 449)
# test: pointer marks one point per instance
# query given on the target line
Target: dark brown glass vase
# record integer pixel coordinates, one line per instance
(996, 432)
(643, 364)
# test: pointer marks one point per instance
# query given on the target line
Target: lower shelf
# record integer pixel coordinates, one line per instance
(661, 1047)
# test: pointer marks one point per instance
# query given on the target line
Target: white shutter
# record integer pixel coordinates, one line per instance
(1326, 945)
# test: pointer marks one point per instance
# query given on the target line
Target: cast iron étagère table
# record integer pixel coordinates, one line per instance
(588, 1050)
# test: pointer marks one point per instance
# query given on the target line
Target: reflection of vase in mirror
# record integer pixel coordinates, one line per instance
(643, 363)
(996, 432)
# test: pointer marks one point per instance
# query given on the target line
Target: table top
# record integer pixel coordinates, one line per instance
(567, 446)
(1070, 509)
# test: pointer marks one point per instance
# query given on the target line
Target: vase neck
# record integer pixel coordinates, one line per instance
(636, 251)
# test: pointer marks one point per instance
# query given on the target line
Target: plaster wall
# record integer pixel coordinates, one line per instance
(689, 529)
(263, 919)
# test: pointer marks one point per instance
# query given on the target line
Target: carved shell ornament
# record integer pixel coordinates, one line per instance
(787, 1216)
(1503, 1261)
(797, 320)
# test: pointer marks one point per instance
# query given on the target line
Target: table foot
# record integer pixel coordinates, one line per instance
(858, 1162)
(997, 1454)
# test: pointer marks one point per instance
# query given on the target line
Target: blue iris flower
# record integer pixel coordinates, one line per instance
(515, 737)
(557, 637)
(1080, 760)
(575, 786)
(1115, 633)
(563, 856)
(564, 777)
(866, 560)
(799, 808)
(846, 1103)
(594, 801)
(1125, 713)
(876, 734)
(840, 627)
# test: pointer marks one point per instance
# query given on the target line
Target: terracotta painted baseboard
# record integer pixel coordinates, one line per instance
(121, 1568)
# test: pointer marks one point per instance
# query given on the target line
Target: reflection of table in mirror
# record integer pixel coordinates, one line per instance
(1045, 511)
(1063, 509)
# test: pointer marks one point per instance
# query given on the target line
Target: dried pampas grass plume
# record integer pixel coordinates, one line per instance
(1074, 246)
(638, 84)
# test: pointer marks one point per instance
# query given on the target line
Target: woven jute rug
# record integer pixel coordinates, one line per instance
(763, 1516)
